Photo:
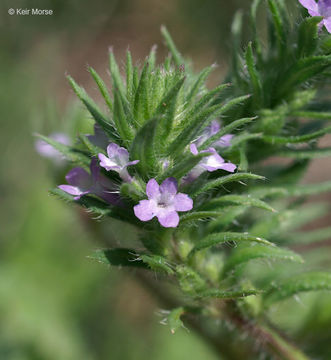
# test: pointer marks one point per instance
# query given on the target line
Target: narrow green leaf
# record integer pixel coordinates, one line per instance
(174, 320)
(278, 25)
(200, 215)
(93, 108)
(305, 154)
(200, 81)
(312, 115)
(254, 75)
(118, 257)
(308, 237)
(102, 87)
(71, 154)
(129, 77)
(296, 139)
(224, 237)
(308, 36)
(157, 263)
(115, 74)
(245, 200)
(303, 70)
(226, 179)
(93, 149)
(314, 281)
(121, 120)
(141, 101)
(143, 148)
(220, 294)
(177, 57)
(243, 255)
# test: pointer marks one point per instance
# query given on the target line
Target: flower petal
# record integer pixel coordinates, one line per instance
(152, 189)
(145, 210)
(194, 149)
(107, 163)
(112, 149)
(95, 169)
(324, 8)
(229, 167)
(134, 162)
(73, 190)
(224, 141)
(183, 202)
(79, 177)
(169, 186)
(310, 5)
(168, 219)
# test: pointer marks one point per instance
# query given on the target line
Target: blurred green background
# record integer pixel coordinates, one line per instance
(54, 302)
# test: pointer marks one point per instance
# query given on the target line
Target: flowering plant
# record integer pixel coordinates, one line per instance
(187, 167)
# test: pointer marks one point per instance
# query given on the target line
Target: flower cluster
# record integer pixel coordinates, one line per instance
(164, 201)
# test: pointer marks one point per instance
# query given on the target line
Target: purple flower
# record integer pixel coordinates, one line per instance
(46, 150)
(209, 163)
(322, 8)
(82, 183)
(99, 138)
(117, 160)
(163, 202)
(211, 130)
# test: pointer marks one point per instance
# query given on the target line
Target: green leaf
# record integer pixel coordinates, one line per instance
(312, 114)
(129, 77)
(245, 200)
(293, 190)
(102, 87)
(303, 70)
(115, 74)
(141, 101)
(93, 149)
(177, 57)
(119, 257)
(157, 263)
(93, 109)
(308, 36)
(121, 120)
(167, 107)
(224, 237)
(254, 75)
(143, 148)
(199, 83)
(92, 205)
(305, 154)
(226, 295)
(296, 139)
(200, 215)
(71, 154)
(281, 290)
(243, 255)
(174, 320)
(213, 184)
(278, 26)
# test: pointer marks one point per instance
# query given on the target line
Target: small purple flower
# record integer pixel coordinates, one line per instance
(211, 130)
(163, 202)
(210, 163)
(82, 183)
(46, 150)
(99, 138)
(117, 160)
(322, 8)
